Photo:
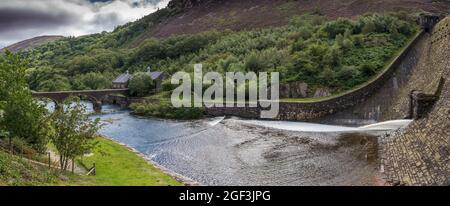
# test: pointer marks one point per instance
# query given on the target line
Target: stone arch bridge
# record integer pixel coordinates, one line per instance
(95, 96)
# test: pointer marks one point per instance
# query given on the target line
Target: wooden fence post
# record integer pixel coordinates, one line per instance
(49, 161)
(92, 170)
(73, 164)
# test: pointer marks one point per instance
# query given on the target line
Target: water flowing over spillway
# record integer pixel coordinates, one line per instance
(220, 151)
(313, 127)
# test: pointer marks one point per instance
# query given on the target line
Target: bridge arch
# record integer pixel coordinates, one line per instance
(48, 103)
(96, 103)
(96, 97)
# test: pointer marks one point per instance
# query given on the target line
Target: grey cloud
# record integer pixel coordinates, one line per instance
(106, 21)
(18, 19)
(23, 19)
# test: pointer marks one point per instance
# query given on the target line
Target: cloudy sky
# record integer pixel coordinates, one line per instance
(23, 19)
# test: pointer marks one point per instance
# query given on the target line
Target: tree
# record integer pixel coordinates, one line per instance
(74, 132)
(255, 63)
(23, 116)
(91, 81)
(368, 28)
(57, 83)
(3, 132)
(140, 84)
(340, 26)
(368, 70)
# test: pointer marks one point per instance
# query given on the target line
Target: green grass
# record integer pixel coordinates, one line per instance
(116, 166)
(160, 95)
(121, 167)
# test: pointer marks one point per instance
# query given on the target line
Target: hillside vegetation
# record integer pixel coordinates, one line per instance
(116, 166)
(32, 43)
(237, 15)
(16, 171)
(334, 54)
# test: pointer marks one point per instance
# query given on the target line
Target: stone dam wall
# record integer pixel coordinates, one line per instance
(294, 111)
(420, 154)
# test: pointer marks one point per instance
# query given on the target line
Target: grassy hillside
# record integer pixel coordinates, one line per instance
(240, 15)
(16, 171)
(116, 165)
(32, 43)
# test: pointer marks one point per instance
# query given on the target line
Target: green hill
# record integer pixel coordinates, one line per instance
(333, 54)
(318, 48)
(32, 43)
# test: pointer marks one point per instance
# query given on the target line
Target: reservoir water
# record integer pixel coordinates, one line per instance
(234, 151)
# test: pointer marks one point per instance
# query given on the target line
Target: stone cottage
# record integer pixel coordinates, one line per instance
(121, 82)
(158, 78)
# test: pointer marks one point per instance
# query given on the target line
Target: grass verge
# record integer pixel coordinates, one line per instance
(118, 166)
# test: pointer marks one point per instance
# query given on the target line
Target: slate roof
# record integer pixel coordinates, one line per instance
(155, 75)
(123, 78)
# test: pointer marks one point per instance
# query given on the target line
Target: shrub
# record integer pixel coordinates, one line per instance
(347, 44)
(368, 28)
(333, 56)
(368, 70)
(166, 110)
(255, 63)
(328, 77)
(349, 76)
(152, 49)
(339, 26)
(167, 85)
(140, 84)
(91, 81)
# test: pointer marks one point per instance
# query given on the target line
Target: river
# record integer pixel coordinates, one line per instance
(234, 151)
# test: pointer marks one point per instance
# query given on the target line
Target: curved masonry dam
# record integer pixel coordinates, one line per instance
(415, 86)
(419, 154)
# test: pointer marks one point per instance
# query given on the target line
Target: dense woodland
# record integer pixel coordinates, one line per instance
(337, 55)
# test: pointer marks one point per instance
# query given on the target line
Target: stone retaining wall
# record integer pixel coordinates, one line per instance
(118, 100)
